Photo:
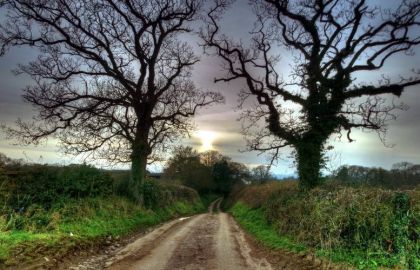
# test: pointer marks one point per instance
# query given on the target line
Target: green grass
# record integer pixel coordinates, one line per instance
(361, 259)
(14, 239)
(253, 221)
(54, 210)
(323, 222)
(78, 222)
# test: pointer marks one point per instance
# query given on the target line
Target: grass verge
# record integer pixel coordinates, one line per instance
(82, 222)
(253, 221)
(367, 228)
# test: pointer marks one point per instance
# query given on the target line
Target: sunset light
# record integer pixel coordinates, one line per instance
(207, 138)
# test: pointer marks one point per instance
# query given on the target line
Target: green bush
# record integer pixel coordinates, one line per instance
(45, 208)
(153, 194)
(157, 195)
(73, 223)
(365, 226)
(46, 185)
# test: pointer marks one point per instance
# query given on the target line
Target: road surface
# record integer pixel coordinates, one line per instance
(206, 241)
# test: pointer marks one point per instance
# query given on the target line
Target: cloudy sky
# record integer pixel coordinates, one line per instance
(217, 127)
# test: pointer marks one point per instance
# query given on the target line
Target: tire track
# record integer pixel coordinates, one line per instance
(210, 241)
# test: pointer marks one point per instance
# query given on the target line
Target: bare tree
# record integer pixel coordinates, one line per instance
(331, 42)
(211, 157)
(261, 173)
(112, 77)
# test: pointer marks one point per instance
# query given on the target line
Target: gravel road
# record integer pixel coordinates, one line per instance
(207, 241)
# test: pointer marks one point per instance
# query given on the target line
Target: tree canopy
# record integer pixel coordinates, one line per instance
(206, 172)
(332, 41)
(112, 78)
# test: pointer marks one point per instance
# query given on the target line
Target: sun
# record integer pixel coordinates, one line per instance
(207, 138)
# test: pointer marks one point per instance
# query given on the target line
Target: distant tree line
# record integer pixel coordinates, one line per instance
(402, 175)
(211, 171)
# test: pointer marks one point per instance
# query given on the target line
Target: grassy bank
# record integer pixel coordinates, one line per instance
(254, 221)
(80, 222)
(368, 228)
(50, 211)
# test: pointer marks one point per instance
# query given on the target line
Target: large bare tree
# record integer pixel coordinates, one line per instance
(332, 42)
(112, 77)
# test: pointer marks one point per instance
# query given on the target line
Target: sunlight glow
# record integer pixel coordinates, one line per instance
(207, 138)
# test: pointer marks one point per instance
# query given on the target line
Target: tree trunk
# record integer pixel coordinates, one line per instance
(309, 162)
(139, 156)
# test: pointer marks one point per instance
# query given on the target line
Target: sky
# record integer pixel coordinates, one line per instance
(217, 127)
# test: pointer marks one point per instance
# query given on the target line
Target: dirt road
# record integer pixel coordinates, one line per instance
(206, 241)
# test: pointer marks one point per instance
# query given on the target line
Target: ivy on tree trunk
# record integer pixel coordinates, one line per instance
(330, 42)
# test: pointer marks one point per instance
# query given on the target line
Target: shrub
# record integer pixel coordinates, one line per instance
(46, 185)
(38, 233)
(381, 224)
(157, 195)
(165, 200)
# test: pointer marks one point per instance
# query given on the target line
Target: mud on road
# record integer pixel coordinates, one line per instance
(211, 241)
(206, 241)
